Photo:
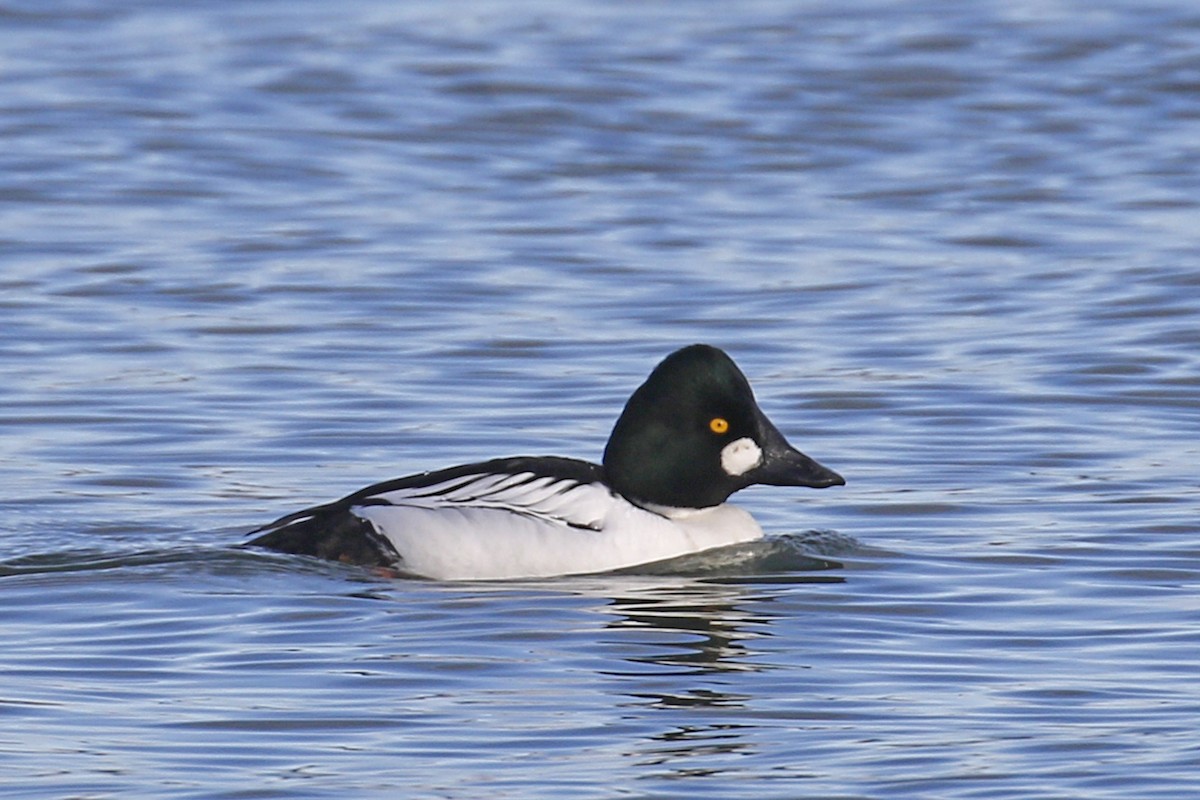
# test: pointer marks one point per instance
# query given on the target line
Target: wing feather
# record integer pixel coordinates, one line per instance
(565, 490)
(563, 500)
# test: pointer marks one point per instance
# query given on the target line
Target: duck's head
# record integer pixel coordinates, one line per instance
(692, 435)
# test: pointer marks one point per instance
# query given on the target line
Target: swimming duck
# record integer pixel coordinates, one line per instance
(690, 436)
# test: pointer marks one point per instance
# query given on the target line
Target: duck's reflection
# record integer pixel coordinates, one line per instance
(692, 652)
(691, 751)
(690, 628)
(701, 614)
(674, 668)
(696, 627)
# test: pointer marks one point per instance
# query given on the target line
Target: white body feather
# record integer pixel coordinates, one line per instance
(519, 526)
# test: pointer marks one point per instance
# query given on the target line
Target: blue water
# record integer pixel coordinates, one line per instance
(256, 255)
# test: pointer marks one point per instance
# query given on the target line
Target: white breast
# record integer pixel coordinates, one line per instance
(516, 526)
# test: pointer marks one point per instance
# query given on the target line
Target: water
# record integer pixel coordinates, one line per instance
(257, 255)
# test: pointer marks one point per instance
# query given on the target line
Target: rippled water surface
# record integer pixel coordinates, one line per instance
(256, 255)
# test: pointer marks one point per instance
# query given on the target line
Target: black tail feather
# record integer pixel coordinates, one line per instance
(338, 536)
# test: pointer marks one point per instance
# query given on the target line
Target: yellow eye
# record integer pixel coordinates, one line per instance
(718, 425)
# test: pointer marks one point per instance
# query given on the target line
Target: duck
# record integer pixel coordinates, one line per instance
(689, 437)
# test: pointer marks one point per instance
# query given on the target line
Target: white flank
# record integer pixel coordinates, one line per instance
(486, 531)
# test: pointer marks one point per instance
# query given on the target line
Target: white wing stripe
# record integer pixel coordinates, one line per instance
(564, 500)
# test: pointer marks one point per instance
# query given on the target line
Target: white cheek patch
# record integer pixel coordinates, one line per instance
(740, 456)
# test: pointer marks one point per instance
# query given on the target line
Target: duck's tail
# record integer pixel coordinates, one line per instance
(331, 533)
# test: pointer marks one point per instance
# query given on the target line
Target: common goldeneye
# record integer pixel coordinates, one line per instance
(689, 437)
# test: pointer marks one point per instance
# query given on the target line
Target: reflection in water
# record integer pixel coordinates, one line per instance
(691, 742)
(693, 628)
(691, 653)
(701, 624)
(696, 634)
